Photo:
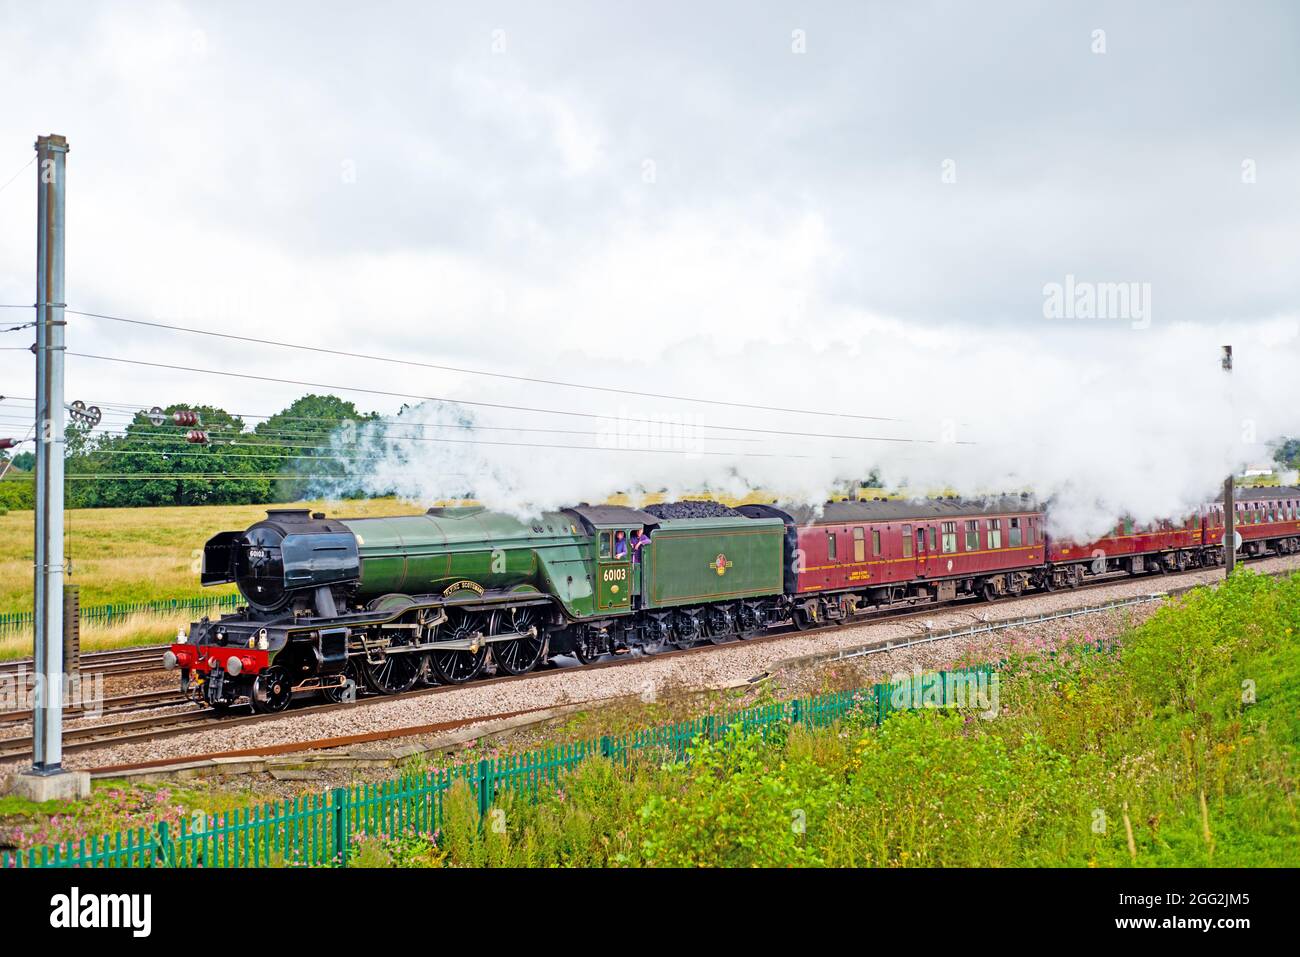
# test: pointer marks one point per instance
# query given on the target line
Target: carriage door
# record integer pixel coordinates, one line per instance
(910, 558)
(613, 569)
(918, 536)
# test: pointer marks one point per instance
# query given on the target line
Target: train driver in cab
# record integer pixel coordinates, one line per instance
(639, 540)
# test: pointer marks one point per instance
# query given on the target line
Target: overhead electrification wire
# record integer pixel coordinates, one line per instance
(220, 439)
(17, 174)
(493, 405)
(138, 410)
(352, 354)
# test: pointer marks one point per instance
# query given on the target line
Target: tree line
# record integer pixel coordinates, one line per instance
(146, 464)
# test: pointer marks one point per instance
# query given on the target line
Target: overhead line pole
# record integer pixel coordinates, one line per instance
(47, 745)
(1229, 497)
(47, 779)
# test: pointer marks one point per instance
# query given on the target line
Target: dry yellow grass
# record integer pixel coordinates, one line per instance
(141, 554)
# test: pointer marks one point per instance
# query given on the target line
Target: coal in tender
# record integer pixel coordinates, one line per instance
(689, 509)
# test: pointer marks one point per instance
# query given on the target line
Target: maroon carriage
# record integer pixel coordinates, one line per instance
(1130, 546)
(1268, 519)
(847, 557)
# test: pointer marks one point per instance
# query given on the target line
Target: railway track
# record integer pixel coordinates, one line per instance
(138, 701)
(158, 727)
(882, 645)
(117, 661)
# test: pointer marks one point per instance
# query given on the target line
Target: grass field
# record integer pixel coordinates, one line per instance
(141, 554)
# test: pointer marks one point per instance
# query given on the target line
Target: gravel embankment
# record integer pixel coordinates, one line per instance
(648, 678)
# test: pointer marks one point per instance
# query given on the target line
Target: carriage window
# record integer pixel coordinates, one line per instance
(972, 534)
(907, 541)
(604, 544)
(933, 535)
(949, 536)
(875, 542)
(860, 545)
(1013, 533)
(831, 550)
(1031, 533)
(995, 533)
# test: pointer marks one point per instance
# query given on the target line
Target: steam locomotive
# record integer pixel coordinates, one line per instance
(388, 602)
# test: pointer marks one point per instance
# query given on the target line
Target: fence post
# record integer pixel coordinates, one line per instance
(484, 799)
(605, 748)
(796, 711)
(166, 849)
(339, 807)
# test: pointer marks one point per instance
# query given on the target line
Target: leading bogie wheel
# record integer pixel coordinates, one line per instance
(351, 673)
(272, 691)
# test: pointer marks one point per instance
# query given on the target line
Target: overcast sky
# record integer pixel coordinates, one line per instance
(664, 192)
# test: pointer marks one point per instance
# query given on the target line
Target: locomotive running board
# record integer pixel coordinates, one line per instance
(371, 620)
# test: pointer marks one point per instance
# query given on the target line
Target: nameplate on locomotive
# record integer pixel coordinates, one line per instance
(464, 585)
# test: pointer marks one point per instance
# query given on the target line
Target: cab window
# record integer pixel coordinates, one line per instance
(604, 544)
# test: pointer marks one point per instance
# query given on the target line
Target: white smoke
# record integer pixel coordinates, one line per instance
(1102, 420)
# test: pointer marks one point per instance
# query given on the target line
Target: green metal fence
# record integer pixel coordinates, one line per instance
(318, 829)
(25, 619)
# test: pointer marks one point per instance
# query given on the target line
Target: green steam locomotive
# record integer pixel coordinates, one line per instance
(389, 602)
